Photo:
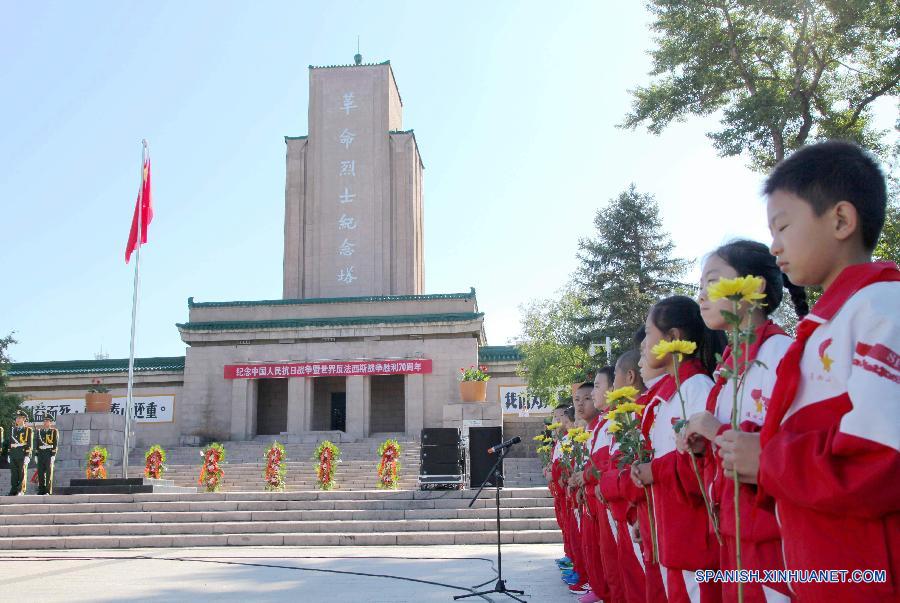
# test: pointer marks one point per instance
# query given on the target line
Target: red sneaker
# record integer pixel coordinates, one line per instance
(580, 589)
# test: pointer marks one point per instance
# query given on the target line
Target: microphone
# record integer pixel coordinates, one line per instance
(504, 445)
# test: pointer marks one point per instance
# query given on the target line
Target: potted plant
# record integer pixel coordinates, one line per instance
(473, 384)
(97, 398)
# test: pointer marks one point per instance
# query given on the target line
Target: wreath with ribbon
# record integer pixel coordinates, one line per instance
(211, 473)
(276, 468)
(153, 462)
(327, 456)
(96, 460)
(389, 465)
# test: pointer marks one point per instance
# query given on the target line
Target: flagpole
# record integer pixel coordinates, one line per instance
(134, 305)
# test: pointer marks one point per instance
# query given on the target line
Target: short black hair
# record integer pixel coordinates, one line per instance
(570, 412)
(586, 385)
(629, 361)
(826, 173)
(610, 373)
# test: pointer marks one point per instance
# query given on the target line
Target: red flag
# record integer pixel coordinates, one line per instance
(145, 206)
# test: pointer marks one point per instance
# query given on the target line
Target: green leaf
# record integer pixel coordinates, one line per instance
(731, 318)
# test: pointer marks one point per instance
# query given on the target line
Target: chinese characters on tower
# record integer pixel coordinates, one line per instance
(347, 173)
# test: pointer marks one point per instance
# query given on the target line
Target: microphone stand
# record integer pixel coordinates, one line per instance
(500, 586)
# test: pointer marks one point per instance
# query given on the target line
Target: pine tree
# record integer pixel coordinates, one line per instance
(9, 403)
(626, 268)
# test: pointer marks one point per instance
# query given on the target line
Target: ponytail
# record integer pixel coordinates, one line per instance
(683, 313)
(798, 297)
(753, 258)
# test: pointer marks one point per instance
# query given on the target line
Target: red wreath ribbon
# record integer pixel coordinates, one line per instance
(153, 467)
(210, 473)
(387, 466)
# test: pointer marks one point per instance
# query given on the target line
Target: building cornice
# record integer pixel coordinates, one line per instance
(107, 365)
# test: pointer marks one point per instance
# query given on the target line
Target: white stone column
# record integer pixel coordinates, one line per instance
(415, 405)
(239, 399)
(299, 405)
(243, 409)
(357, 406)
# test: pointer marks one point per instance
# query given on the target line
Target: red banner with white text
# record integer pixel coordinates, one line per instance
(340, 368)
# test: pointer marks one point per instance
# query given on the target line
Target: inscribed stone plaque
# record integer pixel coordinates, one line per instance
(81, 437)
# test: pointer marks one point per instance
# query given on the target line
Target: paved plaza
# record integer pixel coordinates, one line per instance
(259, 574)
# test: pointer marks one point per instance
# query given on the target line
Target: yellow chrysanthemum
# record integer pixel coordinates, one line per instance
(623, 393)
(582, 437)
(611, 415)
(676, 346)
(554, 426)
(614, 427)
(630, 407)
(566, 449)
(538, 438)
(742, 288)
(574, 431)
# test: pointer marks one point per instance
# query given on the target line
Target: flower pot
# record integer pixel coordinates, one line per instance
(95, 402)
(473, 391)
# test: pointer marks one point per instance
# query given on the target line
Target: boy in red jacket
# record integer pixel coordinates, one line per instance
(830, 444)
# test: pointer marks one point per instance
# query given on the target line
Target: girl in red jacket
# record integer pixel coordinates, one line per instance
(760, 536)
(685, 545)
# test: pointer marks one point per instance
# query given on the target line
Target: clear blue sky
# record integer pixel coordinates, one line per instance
(514, 105)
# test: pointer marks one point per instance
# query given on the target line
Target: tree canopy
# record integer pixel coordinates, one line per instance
(625, 268)
(780, 73)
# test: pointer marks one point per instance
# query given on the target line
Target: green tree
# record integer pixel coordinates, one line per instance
(625, 268)
(9, 403)
(779, 72)
(552, 358)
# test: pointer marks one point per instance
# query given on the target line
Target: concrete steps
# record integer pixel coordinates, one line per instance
(245, 465)
(262, 518)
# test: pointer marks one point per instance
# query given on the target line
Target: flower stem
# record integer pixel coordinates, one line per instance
(676, 358)
(653, 541)
(735, 425)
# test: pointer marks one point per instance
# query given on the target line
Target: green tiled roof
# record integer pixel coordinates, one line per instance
(330, 300)
(287, 138)
(109, 365)
(298, 323)
(499, 353)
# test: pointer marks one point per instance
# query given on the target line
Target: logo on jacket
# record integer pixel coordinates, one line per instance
(823, 355)
(757, 397)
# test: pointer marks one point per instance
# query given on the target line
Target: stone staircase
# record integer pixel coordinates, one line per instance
(244, 467)
(302, 518)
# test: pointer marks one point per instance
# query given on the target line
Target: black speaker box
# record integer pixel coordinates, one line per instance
(440, 454)
(435, 468)
(440, 436)
(480, 462)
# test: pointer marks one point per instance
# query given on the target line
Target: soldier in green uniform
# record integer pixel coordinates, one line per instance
(19, 452)
(47, 443)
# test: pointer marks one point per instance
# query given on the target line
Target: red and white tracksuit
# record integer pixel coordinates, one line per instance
(831, 439)
(562, 508)
(600, 515)
(760, 536)
(596, 561)
(653, 589)
(685, 545)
